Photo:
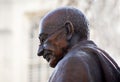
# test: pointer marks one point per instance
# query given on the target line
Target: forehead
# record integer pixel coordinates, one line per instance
(47, 29)
(52, 21)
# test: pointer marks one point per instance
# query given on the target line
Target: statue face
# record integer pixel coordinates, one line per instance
(53, 43)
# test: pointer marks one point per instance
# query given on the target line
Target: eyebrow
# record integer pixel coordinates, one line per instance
(41, 35)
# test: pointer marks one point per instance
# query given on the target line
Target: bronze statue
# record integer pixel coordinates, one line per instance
(65, 44)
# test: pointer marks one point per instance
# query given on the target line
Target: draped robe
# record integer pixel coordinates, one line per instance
(85, 62)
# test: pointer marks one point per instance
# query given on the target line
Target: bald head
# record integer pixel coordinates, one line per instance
(57, 18)
(60, 30)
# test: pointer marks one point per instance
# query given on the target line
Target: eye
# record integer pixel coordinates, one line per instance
(43, 37)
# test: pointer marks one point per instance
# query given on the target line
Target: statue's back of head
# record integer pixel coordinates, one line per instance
(57, 18)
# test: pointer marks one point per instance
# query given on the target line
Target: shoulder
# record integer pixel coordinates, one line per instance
(80, 60)
(73, 67)
(75, 56)
(73, 60)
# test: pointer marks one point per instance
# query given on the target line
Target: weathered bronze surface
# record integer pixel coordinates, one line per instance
(65, 44)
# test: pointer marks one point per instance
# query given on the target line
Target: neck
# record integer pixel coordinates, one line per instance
(74, 42)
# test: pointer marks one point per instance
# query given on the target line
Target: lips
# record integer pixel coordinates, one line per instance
(47, 55)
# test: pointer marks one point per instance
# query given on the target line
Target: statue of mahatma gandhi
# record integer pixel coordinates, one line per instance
(65, 44)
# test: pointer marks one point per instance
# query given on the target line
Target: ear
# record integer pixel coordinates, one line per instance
(70, 29)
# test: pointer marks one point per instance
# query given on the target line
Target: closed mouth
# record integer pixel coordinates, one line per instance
(47, 57)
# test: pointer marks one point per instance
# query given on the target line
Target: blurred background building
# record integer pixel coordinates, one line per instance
(19, 29)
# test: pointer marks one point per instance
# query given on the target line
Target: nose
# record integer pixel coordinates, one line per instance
(40, 51)
(46, 46)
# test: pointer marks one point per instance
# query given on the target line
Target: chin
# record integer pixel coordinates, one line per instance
(52, 63)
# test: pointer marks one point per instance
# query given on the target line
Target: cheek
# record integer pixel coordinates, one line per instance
(59, 51)
(62, 44)
(59, 44)
(58, 54)
(60, 48)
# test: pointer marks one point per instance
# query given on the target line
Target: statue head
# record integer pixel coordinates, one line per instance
(60, 30)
